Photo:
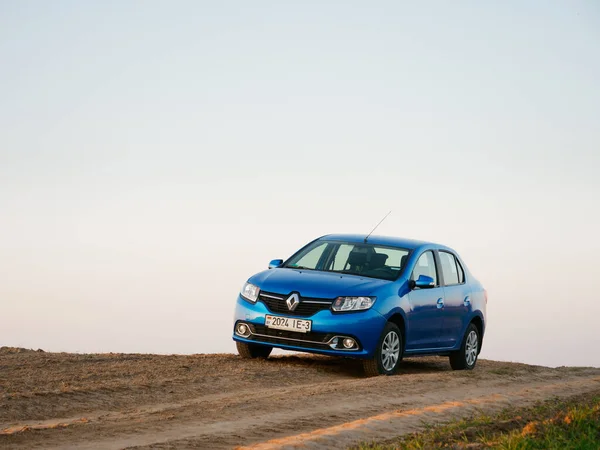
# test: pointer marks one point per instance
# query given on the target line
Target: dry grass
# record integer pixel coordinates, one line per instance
(553, 424)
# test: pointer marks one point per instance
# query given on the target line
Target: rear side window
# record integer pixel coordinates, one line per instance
(461, 272)
(426, 266)
(453, 273)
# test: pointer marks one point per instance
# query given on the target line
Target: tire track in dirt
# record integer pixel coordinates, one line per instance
(282, 422)
(252, 402)
(390, 425)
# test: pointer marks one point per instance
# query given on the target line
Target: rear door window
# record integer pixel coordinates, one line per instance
(449, 268)
(461, 272)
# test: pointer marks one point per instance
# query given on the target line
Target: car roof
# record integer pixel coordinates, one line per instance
(409, 244)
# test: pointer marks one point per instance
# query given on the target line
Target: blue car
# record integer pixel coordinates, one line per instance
(376, 298)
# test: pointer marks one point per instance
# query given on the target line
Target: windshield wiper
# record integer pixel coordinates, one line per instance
(346, 272)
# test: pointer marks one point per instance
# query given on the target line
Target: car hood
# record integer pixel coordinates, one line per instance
(315, 284)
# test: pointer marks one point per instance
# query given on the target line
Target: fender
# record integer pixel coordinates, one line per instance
(472, 316)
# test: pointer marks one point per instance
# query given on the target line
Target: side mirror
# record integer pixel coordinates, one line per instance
(275, 263)
(423, 282)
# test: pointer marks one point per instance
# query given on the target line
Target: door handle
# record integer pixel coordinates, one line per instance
(467, 301)
(440, 303)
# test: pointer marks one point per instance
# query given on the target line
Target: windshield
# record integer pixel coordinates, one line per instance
(367, 260)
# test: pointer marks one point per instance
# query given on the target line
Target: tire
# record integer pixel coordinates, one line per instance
(248, 351)
(466, 357)
(391, 337)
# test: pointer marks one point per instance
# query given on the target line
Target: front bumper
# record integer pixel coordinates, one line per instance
(363, 326)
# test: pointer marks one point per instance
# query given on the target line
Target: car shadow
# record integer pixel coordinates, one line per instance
(350, 367)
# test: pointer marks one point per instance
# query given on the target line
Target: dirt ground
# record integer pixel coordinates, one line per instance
(62, 400)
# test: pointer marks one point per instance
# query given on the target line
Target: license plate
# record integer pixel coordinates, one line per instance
(288, 324)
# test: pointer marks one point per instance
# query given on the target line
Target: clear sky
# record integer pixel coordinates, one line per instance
(154, 155)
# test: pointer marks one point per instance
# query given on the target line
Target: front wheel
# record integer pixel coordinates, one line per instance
(388, 354)
(253, 350)
(466, 357)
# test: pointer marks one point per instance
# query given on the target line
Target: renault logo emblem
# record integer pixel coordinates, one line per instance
(292, 301)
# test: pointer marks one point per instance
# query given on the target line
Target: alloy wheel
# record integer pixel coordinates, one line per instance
(471, 348)
(390, 350)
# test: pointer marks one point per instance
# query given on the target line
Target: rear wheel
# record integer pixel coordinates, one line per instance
(388, 354)
(466, 357)
(253, 350)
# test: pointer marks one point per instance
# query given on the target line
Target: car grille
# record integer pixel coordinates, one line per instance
(276, 303)
(306, 340)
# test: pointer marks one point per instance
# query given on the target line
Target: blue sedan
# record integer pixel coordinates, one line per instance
(376, 298)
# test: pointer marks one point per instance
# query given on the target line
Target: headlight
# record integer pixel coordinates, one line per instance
(352, 303)
(250, 292)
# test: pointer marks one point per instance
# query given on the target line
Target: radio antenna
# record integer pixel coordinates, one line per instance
(367, 237)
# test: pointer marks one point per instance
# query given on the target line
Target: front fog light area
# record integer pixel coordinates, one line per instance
(242, 329)
(349, 343)
(343, 343)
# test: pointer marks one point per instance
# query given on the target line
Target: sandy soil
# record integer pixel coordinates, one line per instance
(61, 400)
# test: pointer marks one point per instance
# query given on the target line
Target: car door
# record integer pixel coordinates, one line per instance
(457, 302)
(425, 317)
